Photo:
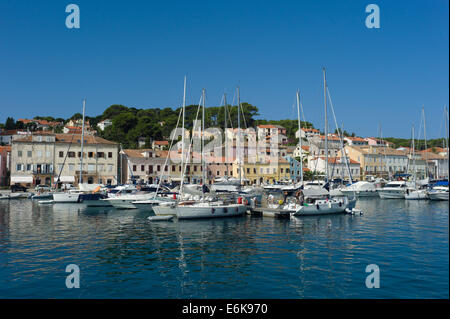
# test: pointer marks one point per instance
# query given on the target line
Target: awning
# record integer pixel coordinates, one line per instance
(65, 179)
(22, 179)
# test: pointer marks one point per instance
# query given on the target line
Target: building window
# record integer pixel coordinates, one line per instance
(142, 168)
(71, 154)
(150, 169)
(71, 167)
(110, 155)
(281, 170)
(61, 154)
(110, 167)
(134, 168)
(28, 167)
(19, 153)
(173, 168)
(100, 155)
(91, 167)
(39, 153)
(90, 154)
(158, 168)
(218, 173)
(29, 153)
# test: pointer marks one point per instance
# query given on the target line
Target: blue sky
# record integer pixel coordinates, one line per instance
(136, 53)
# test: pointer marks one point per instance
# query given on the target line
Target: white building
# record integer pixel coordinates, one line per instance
(307, 132)
(104, 124)
(47, 158)
(337, 167)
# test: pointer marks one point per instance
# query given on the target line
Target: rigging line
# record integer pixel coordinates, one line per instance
(168, 154)
(191, 141)
(344, 154)
(67, 153)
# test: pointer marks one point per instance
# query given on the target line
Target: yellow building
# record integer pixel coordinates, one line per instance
(263, 172)
(377, 161)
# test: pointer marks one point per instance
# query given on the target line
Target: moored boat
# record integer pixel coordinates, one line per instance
(393, 190)
(439, 193)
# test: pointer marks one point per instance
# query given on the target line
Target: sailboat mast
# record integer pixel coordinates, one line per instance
(413, 153)
(182, 137)
(425, 139)
(203, 138)
(82, 142)
(446, 129)
(239, 136)
(326, 122)
(300, 137)
(225, 131)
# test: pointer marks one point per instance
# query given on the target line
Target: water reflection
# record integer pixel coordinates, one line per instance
(122, 254)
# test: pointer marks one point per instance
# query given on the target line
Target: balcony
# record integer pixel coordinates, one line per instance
(42, 171)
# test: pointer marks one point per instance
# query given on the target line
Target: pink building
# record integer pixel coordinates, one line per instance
(378, 142)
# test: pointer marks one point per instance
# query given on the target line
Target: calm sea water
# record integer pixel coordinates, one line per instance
(122, 255)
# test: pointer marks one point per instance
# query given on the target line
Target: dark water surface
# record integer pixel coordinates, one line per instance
(122, 255)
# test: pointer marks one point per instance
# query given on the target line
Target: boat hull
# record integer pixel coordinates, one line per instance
(438, 195)
(360, 193)
(195, 212)
(415, 195)
(391, 194)
(165, 210)
(66, 198)
(121, 203)
(324, 208)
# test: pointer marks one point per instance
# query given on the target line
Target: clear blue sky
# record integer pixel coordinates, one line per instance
(136, 53)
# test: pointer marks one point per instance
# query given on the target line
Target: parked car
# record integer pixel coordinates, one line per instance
(18, 188)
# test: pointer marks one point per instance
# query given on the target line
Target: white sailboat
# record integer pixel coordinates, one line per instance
(414, 192)
(206, 207)
(73, 196)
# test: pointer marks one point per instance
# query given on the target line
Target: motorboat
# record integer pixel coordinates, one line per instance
(413, 193)
(94, 200)
(393, 190)
(72, 196)
(438, 193)
(125, 201)
(360, 189)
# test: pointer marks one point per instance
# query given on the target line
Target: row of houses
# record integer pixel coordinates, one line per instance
(44, 157)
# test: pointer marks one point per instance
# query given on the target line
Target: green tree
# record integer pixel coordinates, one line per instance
(10, 124)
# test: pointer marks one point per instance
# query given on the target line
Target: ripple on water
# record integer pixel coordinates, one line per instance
(122, 255)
